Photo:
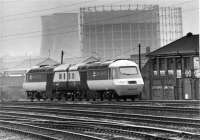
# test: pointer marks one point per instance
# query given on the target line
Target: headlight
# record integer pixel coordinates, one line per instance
(120, 82)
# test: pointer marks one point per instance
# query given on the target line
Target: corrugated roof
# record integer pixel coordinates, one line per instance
(188, 44)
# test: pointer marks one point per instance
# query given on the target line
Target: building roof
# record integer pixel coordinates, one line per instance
(188, 44)
(42, 69)
(36, 62)
(77, 60)
(28, 63)
(62, 67)
(106, 64)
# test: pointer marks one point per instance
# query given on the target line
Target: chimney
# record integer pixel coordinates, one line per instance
(189, 34)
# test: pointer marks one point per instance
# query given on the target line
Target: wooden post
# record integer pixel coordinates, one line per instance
(150, 78)
(62, 54)
(176, 80)
(140, 57)
(192, 79)
(157, 66)
(182, 77)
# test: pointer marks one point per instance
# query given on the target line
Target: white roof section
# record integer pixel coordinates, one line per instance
(121, 63)
(75, 67)
(62, 67)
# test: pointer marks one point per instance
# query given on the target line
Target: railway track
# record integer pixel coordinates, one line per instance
(105, 127)
(77, 117)
(112, 116)
(43, 132)
(145, 107)
(173, 102)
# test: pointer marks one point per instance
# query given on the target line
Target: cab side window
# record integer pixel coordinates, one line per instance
(114, 73)
(60, 76)
(72, 75)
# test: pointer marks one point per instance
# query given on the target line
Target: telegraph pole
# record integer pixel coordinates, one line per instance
(139, 56)
(1, 86)
(62, 54)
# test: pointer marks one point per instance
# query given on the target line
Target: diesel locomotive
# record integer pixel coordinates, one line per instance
(113, 79)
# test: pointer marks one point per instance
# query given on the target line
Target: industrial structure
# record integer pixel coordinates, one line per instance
(115, 31)
(60, 32)
(109, 32)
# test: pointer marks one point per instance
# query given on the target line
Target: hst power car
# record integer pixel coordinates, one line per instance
(110, 79)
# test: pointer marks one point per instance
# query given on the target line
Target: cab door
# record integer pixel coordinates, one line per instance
(49, 85)
(83, 80)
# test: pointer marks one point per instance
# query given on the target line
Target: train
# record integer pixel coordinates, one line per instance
(113, 79)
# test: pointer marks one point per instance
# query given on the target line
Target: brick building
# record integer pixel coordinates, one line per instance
(172, 72)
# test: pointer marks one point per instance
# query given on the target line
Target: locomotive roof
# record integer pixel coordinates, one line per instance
(41, 69)
(111, 63)
(122, 63)
(62, 67)
(76, 66)
(95, 65)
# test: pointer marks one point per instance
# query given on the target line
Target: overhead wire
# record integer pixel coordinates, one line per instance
(94, 21)
(69, 26)
(47, 9)
(31, 12)
(62, 27)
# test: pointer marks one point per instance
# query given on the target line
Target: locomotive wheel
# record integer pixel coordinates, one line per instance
(79, 95)
(133, 98)
(80, 98)
(38, 96)
(116, 98)
(32, 99)
(87, 99)
(140, 96)
(66, 98)
(86, 96)
(59, 97)
(124, 98)
(101, 97)
(109, 97)
(72, 97)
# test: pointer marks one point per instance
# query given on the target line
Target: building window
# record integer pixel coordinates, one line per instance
(162, 64)
(187, 63)
(178, 63)
(72, 75)
(154, 65)
(170, 63)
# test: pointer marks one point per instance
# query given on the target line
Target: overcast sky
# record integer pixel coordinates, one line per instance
(20, 23)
